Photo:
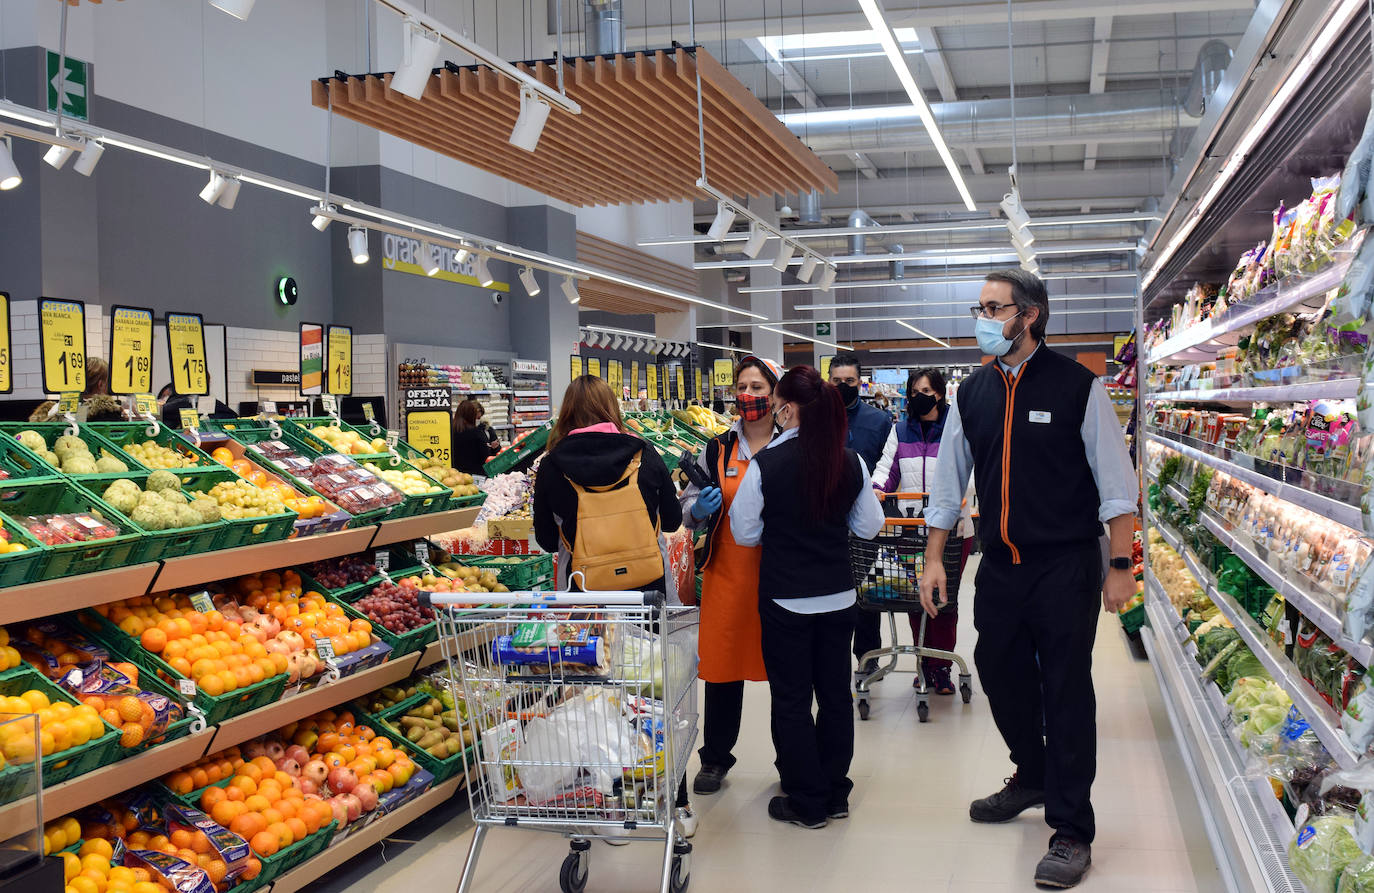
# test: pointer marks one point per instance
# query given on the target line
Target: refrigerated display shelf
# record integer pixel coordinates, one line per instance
(1340, 512)
(1334, 389)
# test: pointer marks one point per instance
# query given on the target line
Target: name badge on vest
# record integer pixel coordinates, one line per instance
(1039, 416)
(732, 472)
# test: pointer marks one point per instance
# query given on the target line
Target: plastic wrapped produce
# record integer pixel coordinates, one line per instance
(1321, 849)
(1355, 178)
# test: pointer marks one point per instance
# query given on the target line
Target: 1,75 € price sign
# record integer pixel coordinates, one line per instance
(186, 342)
(62, 342)
(131, 350)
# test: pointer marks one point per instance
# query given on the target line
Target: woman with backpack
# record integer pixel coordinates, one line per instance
(730, 645)
(908, 466)
(802, 497)
(603, 500)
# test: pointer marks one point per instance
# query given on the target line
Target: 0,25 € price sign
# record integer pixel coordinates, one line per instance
(62, 342)
(186, 343)
(131, 350)
(431, 432)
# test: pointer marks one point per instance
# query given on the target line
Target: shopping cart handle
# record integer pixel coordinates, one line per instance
(466, 599)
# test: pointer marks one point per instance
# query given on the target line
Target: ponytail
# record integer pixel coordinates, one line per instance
(824, 431)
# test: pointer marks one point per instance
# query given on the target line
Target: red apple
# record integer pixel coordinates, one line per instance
(342, 780)
(367, 795)
(316, 771)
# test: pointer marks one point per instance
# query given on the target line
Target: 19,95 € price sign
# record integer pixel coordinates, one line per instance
(62, 342)
(131, 350)
(186, 344)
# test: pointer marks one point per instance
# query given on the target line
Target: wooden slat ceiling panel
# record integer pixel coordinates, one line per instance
(635, 140)
(598, 294)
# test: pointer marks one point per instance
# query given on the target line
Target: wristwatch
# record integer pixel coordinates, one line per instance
(1121, 564)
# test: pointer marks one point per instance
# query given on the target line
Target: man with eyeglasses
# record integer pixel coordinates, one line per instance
(1050, 466)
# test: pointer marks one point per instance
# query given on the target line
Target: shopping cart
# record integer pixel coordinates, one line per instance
(887, 575)
(583, 712)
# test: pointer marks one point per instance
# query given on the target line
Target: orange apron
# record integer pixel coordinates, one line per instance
(731, 641)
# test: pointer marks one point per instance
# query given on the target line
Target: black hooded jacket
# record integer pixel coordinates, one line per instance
(594, 459)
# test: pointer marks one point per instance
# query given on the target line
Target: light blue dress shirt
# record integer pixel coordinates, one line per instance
(1117, 486)
(746, 525)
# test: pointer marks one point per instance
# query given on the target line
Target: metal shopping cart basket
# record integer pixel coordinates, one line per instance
(584, 712)
(887, 575)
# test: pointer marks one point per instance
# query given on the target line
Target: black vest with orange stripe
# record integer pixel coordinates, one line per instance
(1036, 491)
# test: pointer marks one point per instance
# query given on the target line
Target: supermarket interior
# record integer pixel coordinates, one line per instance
(337, 338)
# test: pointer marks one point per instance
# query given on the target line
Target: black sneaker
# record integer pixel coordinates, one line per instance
(869, 668)
(780, 809)
(1065, 863)
(1006, 804)
(838, 810)
(708, 780)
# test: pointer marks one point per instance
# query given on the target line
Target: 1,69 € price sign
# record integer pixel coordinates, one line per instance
(186, 343)
(131, 350)
(62, 342)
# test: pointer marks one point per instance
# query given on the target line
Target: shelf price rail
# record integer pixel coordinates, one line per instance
(1324, 719)
(1332, 389)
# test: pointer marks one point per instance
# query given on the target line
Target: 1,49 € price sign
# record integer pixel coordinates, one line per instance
(340, 355)
(6, 380)
(131, 350)
(186, 343)
(62, 342)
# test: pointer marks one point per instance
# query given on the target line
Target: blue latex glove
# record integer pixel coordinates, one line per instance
(708, 502)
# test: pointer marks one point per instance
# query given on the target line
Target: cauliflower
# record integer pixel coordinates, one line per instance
(33, 440)
(187, 517)
(79, 464)
(174, 497)
(149, 517)
(110, 465)
(207, 509)
(70, 442)
(121, 499)
(163, 480)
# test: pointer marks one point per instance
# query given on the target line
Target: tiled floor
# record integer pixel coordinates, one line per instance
(908, 829)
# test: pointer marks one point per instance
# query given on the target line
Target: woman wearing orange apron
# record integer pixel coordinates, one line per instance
(730, 641)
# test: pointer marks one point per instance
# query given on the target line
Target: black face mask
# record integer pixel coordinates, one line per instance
(848, 393)
(919, 404)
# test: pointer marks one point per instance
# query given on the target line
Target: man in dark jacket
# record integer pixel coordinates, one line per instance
(868, 431)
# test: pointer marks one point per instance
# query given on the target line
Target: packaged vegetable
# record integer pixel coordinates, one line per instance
(1321, 849)
(170, 872)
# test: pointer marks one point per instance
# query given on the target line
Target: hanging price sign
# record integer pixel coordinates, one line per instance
(651, 372)
(700, 384)
(340, 377)
(615, 377)
(6, 380)
(186, 345)
(62, 343)
(634, 379)
(681, 377)
(131, 350)
(431, 432)
(722, 373)
(575, 366)
(594, 366)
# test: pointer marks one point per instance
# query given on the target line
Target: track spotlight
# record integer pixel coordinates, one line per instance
(213, 189)
(320, 221)
(89, 158)
(57, 155)
(529, 124)
(619, 342)
(758, 237)
(463, 254)
(429, 259)
(785, 251)
(419, 50)
(357, 243)
(230, 194)
(531, 284)
(483, 271)
(827, 278)
(725, 217)
(9, 174)
(1018, 221)
(808, 267)
(239, 9)
(1031, 265)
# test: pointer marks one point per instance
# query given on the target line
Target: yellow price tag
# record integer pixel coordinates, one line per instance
(340, 375)
(615, 376)
(62, 342)
(131, 350)
(575, 365)
(369, 413)
(145, 405)
(431, 431)
(186, 343)
(652, 375)
(634, 379)
(69, 402)
(594, 367)
(722, 373)
(190, 419)
(700, 384)
(825, 366)
(681, 384)
(6, 381)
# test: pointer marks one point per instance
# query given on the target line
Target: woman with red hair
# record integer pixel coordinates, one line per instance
(800, 500)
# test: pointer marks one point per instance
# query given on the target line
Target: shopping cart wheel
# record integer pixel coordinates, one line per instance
(682, 868)
(863, 708)
(966, 692)
(923, 712)
(572, 877)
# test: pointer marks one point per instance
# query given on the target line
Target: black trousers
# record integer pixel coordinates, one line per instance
(1036, 624)
(807, 658)
(720, 727)
(868, 634)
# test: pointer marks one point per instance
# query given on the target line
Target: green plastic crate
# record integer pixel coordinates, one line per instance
(87, 433)
(18, 568)
(159, 544)
(517, 452)
(420, 504)
(57, 767)
(19, 462)
(124, 434)
(277, 864)
(520, 575)
(401, 643)
(216, 708)
(304, 426)
(255, 435)
(237, 531)
(388, 723)
(45, 496)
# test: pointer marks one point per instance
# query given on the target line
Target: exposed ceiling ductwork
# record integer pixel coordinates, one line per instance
(858, 218)
(604, 24)
(1212, 61)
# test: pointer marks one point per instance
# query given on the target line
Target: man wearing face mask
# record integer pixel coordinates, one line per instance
(868, 432)
(1050, 467)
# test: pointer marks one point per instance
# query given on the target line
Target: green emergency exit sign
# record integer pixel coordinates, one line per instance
(73, 82)
(822, 328)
